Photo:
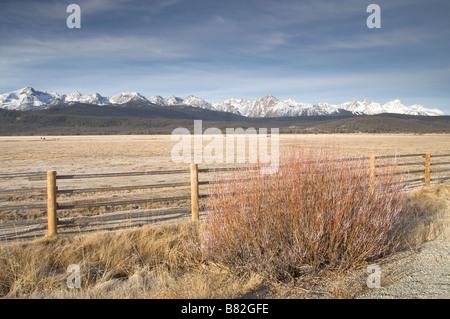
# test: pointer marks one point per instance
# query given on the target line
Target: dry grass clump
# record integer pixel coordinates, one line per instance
(102, 257)
(314, 213)
(429, 215)
(153, 261)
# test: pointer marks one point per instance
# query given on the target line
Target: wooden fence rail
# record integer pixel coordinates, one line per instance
(52, 205)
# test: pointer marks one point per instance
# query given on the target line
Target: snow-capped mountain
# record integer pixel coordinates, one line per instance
(26, 99)
(123, 98)
(363, 107)
(165, 100)
(29, 99)
(88, 99)
(192, 100)
(396, 106)
(270, 106)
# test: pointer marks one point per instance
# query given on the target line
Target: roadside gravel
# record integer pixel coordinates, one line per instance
(424, 274)
(423, 270)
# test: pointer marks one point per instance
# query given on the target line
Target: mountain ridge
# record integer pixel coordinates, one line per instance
(29, 99)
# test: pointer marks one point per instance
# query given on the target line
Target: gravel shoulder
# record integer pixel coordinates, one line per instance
(424, 274)
(423, 270)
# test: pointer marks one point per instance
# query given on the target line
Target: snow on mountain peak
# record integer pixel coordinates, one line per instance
(126, 97)
(156, 99)
(28, 98)
(27, 91)
(362, 107)
(195, 101)
(396, 106)
(73, 97)
(94, 98)
(172, 100)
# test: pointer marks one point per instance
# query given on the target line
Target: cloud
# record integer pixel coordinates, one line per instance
(29, 10)
(35, 51)
(390, 39)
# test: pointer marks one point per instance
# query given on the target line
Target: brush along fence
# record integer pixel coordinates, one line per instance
(50, 202)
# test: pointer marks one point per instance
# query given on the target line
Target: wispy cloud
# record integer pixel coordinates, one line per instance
(392, 39)
(34, 50)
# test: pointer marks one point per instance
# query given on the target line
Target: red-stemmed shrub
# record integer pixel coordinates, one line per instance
(315, 211)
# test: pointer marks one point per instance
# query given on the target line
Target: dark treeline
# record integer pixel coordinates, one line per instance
(94, 120)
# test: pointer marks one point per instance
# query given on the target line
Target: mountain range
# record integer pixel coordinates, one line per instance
(29, 99)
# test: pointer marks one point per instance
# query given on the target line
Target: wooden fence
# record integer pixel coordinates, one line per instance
(420, 172)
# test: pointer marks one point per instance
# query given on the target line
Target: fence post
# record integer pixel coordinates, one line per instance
(194, 191)
(372, 174)
(427, 169)
(51, 203)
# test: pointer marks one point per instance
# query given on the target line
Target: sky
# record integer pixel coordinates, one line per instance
(310, 51)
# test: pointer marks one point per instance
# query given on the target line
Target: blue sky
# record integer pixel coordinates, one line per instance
(310, 51)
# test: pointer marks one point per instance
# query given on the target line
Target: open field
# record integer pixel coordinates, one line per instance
(90, 154)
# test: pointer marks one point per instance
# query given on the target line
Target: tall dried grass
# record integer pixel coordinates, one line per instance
(316, 212)
(103, 257)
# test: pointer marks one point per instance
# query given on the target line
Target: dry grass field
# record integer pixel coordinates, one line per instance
(165, 260)
(124, 153)
(90, 154)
